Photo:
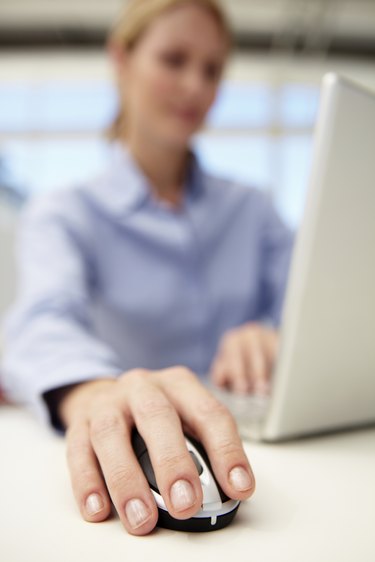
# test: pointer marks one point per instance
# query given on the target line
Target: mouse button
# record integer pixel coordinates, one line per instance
(148, 471)
(198, 465)
(138, 443)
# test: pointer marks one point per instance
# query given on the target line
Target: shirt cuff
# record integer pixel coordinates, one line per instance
(46, 411)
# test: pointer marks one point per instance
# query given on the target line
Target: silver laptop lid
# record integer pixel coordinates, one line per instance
(325, 373)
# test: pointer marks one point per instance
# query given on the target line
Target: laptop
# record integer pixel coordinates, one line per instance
(324, 375)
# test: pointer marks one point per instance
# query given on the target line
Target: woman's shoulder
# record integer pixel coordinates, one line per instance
(54, 201)
(66, 207)
(50, 203)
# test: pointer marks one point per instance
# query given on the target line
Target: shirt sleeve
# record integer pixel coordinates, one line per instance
(49, 337)
(277, 242)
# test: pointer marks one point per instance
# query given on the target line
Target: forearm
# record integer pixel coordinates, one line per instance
(47, 355)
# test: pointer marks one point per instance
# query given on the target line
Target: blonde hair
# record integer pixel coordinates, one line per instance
(136, 18)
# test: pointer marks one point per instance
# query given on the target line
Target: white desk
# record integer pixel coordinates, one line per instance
(315, 501)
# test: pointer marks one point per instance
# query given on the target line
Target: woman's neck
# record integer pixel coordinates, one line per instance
(165, 167)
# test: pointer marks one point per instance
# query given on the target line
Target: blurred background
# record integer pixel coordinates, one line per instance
(57, 95)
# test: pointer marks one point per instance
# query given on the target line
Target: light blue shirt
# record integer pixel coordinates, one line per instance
(111, 278)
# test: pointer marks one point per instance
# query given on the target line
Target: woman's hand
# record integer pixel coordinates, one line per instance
(99, 417)
(245, 359)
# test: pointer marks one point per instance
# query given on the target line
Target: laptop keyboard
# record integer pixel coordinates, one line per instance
(246, 408)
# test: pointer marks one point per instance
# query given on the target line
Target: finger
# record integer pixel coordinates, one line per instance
(255, 354)
(215, 427)
(159, 425)
(110, 435)
(88, 485)
(232, 364)
(271, 347)
(219, 373)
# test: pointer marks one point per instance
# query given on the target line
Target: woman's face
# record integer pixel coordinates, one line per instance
(169, 80)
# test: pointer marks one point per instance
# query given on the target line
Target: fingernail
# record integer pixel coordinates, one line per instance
(137, 513)
(94, 504)
(240, 479)
(182, 495)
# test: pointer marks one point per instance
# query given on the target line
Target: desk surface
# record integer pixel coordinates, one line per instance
(315, 501)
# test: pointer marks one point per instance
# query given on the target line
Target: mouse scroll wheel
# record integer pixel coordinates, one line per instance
(196, 462)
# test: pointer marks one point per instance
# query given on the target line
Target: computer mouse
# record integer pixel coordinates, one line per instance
(217, 511)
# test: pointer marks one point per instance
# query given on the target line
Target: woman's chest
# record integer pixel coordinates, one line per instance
(151, 271)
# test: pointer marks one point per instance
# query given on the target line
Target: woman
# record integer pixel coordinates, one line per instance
(152, 266)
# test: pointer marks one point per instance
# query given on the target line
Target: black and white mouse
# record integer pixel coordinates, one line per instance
(217, 509)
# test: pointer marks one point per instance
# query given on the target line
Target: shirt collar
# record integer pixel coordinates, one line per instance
(123, 187)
